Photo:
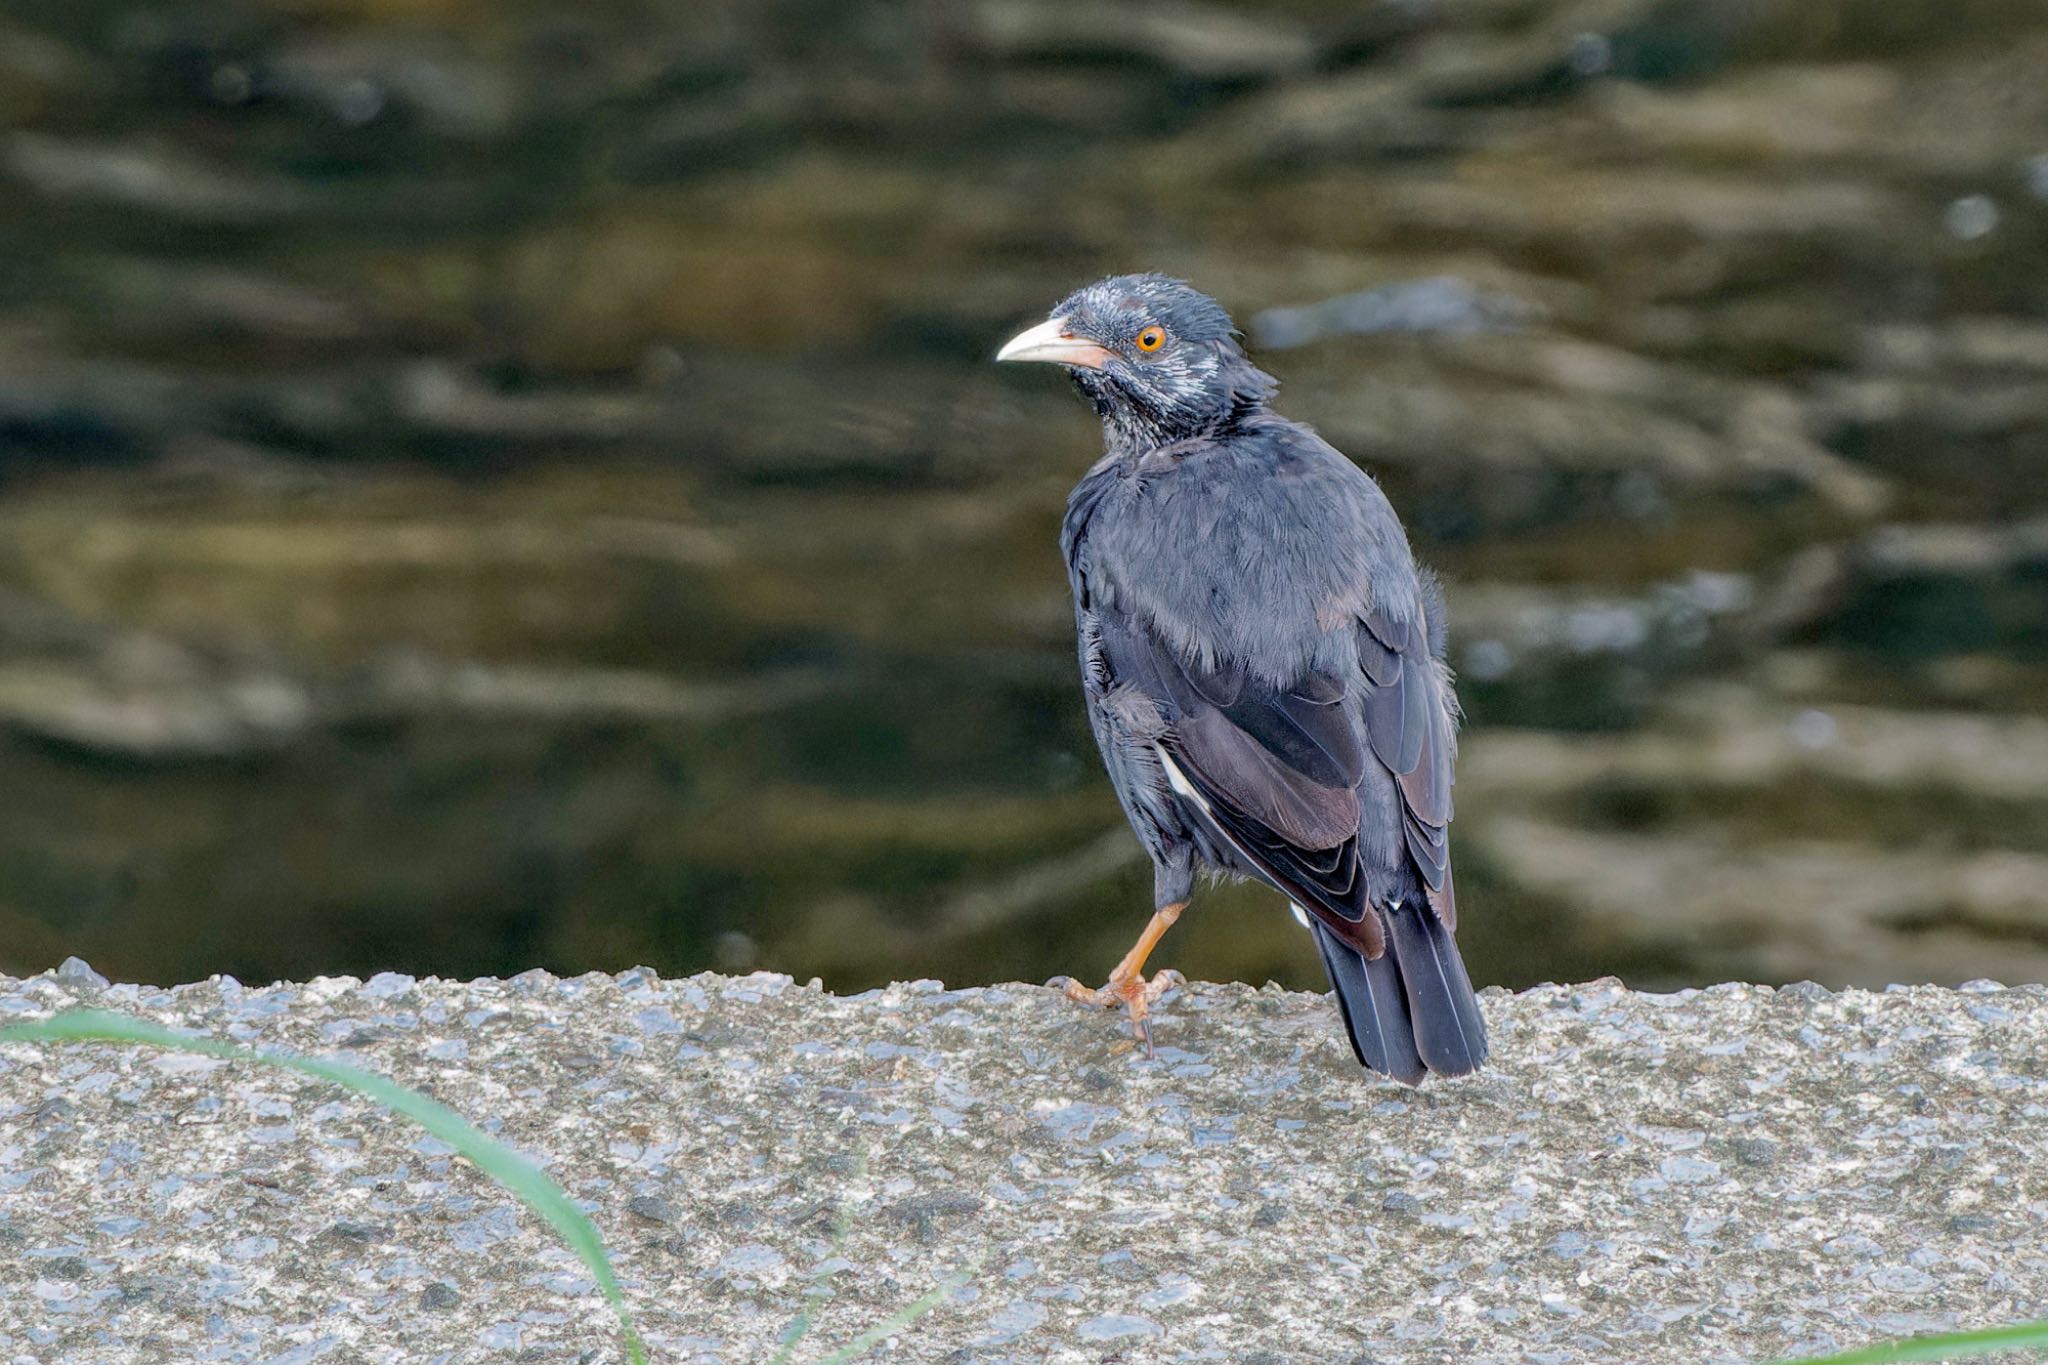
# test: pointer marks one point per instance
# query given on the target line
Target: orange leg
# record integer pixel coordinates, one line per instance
(1127, 985)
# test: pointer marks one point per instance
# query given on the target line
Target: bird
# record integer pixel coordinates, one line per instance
(1263, 664)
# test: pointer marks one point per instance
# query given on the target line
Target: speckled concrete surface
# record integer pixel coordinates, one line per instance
(1724, 1175)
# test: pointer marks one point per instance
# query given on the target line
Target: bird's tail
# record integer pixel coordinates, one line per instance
(1411, 1010)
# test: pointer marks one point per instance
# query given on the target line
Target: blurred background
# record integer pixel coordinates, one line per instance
(491, 485)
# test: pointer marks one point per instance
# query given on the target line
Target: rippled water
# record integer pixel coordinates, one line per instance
(486, 489)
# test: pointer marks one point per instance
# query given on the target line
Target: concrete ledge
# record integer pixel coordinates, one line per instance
(1723, 1175)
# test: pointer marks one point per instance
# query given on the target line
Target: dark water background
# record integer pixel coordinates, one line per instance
(496, 485)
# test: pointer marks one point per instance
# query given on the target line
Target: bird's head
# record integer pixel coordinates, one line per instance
(1159, 360)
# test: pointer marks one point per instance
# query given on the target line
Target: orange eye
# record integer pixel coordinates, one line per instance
(1151, 339)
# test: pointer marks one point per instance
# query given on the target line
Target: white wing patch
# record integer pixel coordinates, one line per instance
(1178, 780)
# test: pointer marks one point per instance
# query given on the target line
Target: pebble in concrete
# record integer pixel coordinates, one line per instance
(1718, 1176)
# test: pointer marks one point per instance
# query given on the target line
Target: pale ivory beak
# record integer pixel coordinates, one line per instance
(1052, 341)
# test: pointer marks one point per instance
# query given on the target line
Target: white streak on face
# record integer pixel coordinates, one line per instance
(1178, 780)
(1300, 915)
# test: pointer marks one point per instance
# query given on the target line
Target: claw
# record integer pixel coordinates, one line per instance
(1134, 993)
(1127, 985)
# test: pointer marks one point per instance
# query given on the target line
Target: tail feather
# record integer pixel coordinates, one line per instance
(1411, 1010)
(1374, 1006)
(1449, 1031)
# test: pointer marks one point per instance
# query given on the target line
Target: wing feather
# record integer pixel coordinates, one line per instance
(1278, 771)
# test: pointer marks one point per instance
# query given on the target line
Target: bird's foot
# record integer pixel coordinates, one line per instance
(1136, 994)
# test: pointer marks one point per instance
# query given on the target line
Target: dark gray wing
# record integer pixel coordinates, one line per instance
(1277, 771)
(1407, 711)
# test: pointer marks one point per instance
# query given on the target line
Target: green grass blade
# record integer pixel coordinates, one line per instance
(1947, 1346)
(494, 1159)
(898, 1320)
(807, 1316)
